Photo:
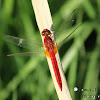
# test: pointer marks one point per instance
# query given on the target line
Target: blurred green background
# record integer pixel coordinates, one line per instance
(28, 77)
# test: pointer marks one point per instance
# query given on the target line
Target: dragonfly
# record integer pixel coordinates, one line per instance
(50, 49)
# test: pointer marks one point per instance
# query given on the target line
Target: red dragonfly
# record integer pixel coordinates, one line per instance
(50, 49)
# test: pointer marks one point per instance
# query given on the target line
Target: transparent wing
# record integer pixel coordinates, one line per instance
(69, 20)
(27, 54)
(35, 46)
(63, 34)
(64, 40)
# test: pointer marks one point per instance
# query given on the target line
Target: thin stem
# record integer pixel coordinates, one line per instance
(44, 21)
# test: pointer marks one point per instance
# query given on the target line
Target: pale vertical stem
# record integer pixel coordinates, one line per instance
(44, 21)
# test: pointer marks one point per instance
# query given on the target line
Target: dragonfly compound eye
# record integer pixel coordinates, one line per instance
(45, 32)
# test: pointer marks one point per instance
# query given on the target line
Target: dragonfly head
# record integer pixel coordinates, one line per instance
(45, 32)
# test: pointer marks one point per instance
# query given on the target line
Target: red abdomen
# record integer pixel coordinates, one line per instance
(50, 52)
(56, 69)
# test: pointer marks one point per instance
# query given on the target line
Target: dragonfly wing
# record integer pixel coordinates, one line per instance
(64, 40)
(27, 54)
(71, 19)
(36, 46)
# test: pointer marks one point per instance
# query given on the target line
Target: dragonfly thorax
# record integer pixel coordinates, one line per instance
(49, 45)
